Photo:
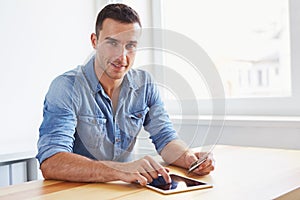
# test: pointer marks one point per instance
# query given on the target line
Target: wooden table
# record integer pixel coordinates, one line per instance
(241, 173)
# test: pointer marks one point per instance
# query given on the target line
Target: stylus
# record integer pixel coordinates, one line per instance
(196, 164)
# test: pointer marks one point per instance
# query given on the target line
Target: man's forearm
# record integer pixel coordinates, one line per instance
(73, 167)
(175, 153)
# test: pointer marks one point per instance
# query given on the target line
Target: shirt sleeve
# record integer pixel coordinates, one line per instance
(157, 121)
(59, 119)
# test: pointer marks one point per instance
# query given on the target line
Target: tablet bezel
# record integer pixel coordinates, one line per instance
(178, 190)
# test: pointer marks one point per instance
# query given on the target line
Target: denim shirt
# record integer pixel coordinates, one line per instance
(78, 116)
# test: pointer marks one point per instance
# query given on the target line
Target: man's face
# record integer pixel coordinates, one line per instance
(115, 48)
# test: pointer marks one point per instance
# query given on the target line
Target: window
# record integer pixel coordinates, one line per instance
(253, 46)
(248, 42)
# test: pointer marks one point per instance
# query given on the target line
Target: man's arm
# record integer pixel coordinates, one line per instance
(73, 167)
(177, 153)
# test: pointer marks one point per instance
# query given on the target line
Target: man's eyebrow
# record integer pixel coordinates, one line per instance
(112, 39)
(115, 40)
(133, 42)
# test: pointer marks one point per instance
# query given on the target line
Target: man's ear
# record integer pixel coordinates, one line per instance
(94, 40)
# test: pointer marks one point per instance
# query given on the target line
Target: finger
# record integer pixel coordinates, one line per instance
(147, 176)
(205, 168)
(141, 179)
(201, 154)
(202, 173)
(147, 170)
(205, 171)
(198, 154)
(208, 161)
(191, 158)
(205, 164)
(165, 175)
(146, 173)
(159, 168)
(167, 169)
(151, 171)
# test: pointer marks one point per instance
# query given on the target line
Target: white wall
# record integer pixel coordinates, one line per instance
(39, 39)
(268, 132)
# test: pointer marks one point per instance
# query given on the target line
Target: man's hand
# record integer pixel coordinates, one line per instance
(143, 171)
(177, 153)
(205, 168)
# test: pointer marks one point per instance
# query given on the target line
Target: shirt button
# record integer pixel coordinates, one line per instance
(118, 140)
(139, 115)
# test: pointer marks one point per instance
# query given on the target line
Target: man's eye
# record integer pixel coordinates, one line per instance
(113, 43)
(131, 46)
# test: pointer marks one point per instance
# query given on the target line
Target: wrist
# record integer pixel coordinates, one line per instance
(107, 171)
(189, 159)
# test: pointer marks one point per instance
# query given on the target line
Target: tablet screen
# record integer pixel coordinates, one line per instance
(178, 182)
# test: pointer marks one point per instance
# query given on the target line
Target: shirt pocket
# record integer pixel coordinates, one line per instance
(91, 130)
(136, 120)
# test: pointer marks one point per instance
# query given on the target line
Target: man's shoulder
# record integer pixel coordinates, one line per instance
(138, 78)
(68, 79)
(63, 90)
(70, 75)
(139, 75)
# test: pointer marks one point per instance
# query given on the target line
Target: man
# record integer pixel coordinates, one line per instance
(92, 114)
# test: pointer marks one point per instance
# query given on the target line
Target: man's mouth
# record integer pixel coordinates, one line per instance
(118, 65)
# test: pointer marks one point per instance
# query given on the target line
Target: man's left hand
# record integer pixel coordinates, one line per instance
(205, 168)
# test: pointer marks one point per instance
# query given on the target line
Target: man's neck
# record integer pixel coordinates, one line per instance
(112, 89)
(110, 86)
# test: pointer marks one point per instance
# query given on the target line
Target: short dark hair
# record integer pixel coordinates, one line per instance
(119, 12)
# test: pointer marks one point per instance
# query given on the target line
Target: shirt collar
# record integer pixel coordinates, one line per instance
(89, 73)
(129, 81)
(94, 83)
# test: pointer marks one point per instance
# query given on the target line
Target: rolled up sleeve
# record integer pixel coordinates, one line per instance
(157, 121)
(59, 120)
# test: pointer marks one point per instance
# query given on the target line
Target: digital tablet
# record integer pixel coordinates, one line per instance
(179, 184)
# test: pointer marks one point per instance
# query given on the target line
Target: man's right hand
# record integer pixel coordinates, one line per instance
(142, 171)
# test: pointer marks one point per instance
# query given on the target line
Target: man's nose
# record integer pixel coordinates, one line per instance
(123, 56)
